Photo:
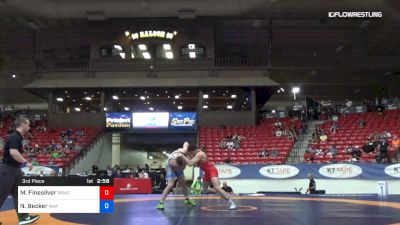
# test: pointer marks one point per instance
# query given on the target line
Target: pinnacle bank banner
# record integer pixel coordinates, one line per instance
(320, 171)
(175, 121)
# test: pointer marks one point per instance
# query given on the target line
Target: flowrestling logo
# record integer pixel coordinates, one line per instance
(355, 14)
(393, 170)
(227, 171)
(340, 171)
(279, 171)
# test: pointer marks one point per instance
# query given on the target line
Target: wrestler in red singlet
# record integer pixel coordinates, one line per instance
(199, 158)
(209, 170)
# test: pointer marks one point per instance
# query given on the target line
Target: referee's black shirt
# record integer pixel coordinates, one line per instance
(312, 184)
(14, 141)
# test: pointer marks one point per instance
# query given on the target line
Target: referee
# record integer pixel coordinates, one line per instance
(10, 172)
(312, 185)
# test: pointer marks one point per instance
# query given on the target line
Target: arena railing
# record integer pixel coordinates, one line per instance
(148, 65)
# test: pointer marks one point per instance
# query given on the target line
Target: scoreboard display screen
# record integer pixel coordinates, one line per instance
(66, 195)
(151, 121)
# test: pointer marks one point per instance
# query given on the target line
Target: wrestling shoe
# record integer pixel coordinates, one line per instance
(189, 202)
(28, 219)
(232, 205)
(160, 206)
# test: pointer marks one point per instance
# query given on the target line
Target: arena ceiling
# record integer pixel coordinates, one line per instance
(307, 46)
(105, 9)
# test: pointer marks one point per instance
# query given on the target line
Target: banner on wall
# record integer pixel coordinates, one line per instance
(319, 171)
(132, 186)
(183, 121)
(118, 121)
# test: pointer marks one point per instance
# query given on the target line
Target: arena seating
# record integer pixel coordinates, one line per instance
(349, 132)
(53, 135)
(256, 138)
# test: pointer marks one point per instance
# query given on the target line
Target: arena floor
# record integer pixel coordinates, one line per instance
(271, 210)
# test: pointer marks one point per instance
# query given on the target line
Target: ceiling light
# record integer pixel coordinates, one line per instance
(73, 100)
(279, 91)
(142, 47)
(115, 97)
(177, 96)
(88, 98)
(229, 107)
(142, 98)
(273, 111)
(295, 90)
(339, 48)
(151, 108)
(187, 91)
(105, 109)
(127, 33)
(167, 46)
(191, 46)
(118, 47)
(158, 95)
(205, 96)
(77, 109)
(233, 96)
(192, 55)
(146, 55)
(169, 55)
(126, 108)
(150, 157)
(179, 107)
(60, 99)
(13, 76)
(205, 106)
